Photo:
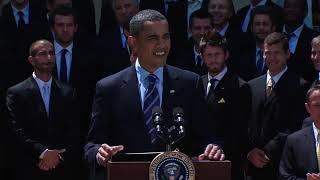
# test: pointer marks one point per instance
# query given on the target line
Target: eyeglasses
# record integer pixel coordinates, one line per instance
(45, 53)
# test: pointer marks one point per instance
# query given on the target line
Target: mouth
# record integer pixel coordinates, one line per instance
(160, 53)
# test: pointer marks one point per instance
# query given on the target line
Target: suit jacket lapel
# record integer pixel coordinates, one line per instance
(130, 83)
(311, 148)
(170, 89)
(36, 97)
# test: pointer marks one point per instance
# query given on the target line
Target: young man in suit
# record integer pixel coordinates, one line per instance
(42, 115)
(126, 98)
(299, 37)
(113, 51)
(200, 26)
(21, 24)
(73, 64)
(227, 98)
(244, 14)
(277, 108)
(300, 158)
(262, 24)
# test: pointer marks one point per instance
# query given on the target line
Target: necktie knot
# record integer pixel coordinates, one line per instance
(64, 52)
(213, 81)
(152, 79)
(21, 14)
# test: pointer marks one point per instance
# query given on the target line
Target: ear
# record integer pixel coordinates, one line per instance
(307, 107)
(30, 59)
(132, 43)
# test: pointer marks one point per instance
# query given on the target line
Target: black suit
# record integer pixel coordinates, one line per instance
(177, 15)
(188, 60)
(274, 117)
(299, 155)
(35, 131)
(276, 12)
(300, 62)
(18, 41)
(111, 55)
(228, 112)
(117, 116)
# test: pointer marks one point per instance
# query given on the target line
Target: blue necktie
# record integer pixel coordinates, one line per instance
(63, 66)
(260, 62)
(46, 96)
(151, 100)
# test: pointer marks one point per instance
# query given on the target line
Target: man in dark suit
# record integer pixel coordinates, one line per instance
(222, 13)
(299, 37)
(73, 66)
(227, 98)
(126, 98)
(73, 63)
(244, 14)
(262, 24)
(21, 23)
(277, 108)
(113, 51)
(200, 25)
(42, 117)
(300, 158)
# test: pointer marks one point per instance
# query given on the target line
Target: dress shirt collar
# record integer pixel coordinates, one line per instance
(315, 132)
(261, 3)
(277, 76)
(142, 73)
(40, 82)
(224, 29)
(296, 32)
(25, 11)
(218, 76)
(58, 48)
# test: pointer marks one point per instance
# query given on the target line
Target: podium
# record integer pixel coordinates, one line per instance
(136, 170)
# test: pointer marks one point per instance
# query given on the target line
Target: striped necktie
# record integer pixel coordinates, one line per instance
(151, 100)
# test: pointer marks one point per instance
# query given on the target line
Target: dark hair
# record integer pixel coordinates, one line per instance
(314, 87)
(275, 38)
(63, 11)
(200, 14)
(205, 4)
(134, 2)
(137, 21)
(213, 39)
(262, 10)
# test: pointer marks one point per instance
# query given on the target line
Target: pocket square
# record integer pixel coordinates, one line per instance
(172, 91)
(221, 101)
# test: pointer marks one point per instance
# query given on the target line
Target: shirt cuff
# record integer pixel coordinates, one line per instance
(42, 154)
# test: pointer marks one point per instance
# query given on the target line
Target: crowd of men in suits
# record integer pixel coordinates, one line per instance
(71, 99)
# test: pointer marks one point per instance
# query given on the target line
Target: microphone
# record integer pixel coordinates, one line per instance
(158, 122)
(178, 116)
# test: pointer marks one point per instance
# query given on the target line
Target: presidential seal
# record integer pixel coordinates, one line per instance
(171, 166)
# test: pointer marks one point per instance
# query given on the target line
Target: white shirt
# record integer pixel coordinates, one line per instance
(275, 77)
(218, 77)
(315, 133)
(58, 50)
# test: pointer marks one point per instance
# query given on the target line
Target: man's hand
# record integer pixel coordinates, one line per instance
(258, 158)
(105, 152)
(51, 159)
(212, 152)
(313, 176)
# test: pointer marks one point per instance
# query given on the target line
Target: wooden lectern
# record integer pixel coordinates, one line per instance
(205, 170)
